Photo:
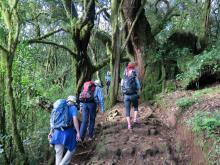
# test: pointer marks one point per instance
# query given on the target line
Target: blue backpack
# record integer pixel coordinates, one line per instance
(59, 115)
(129, 85)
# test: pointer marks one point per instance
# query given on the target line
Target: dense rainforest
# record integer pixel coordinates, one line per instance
(49, 48)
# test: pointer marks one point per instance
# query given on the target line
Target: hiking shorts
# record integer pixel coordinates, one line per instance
(128, 100)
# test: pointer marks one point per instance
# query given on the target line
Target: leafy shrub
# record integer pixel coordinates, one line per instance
(208, 60)
(208, 124)
(185, 103)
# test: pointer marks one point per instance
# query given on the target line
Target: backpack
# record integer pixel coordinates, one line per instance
(129, 85)
(88, 90)
(59, 115)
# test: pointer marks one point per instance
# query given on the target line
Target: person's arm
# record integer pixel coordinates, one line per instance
(81, 107)
(76, 125)
(138, 86)
(122, 82)
(74, 113)
(99, 98)
(51, 130)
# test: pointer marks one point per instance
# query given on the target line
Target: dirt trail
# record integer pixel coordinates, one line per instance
(151, 141)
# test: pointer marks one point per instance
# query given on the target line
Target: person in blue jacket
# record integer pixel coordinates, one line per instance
(88, 110)
(108, 81)
(66, 138)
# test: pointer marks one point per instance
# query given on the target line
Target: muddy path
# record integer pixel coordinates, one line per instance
(151, 141)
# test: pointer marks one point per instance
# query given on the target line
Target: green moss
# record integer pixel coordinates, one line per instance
(153, 81)
(170, 86)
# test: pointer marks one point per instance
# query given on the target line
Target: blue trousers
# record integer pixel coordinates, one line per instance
(88, 117)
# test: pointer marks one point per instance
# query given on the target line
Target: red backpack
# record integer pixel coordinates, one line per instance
(88, 90)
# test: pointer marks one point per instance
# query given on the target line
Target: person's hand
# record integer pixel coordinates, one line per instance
(78, 138)
(97, 109)
(49, 136)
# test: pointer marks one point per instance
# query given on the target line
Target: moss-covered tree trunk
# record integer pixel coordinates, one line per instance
(11, 22)
(115, 56)
(84, 71)
(12, 107)
(80, 31)
(206, 21)
(141, 38)
(142, 46)
(2, 108)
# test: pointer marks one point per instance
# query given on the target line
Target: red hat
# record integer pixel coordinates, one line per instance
(131, 65)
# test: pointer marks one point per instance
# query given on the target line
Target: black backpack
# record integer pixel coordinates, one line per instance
(129, 85)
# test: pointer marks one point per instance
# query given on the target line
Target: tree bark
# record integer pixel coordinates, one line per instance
(115, 56)
(81, 32)
(206, 21)
(2, 110)
(12, 107)
(141, 37)
(142, 46)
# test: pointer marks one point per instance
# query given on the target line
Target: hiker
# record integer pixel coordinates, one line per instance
(130, 86)
(107, 81)
(64, 132)
(90, 97)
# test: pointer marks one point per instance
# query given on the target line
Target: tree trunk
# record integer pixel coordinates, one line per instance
(11, 101)
(142, 46)
(2, 111)
(141, 37)
(81, 33)
(115, 56)
(84, 71)
(218, 21)
(115, 67)
(206, 21)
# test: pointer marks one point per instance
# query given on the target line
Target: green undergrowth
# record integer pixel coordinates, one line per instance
(200, 64)
(208, 125)
(207, 91)
(185, 103)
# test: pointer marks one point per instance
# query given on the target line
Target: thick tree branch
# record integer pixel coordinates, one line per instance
(55, 44)
(3, 49)
(101, 10)
(132, 27)
(106, 61)
(67, 4)
(45, 36)
(44, 104)
(15, 5)
(101, 64)
(89, 13)
(106, 14)
(163, 22)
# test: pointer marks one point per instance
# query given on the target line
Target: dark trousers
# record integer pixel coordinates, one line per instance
(88, 116)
